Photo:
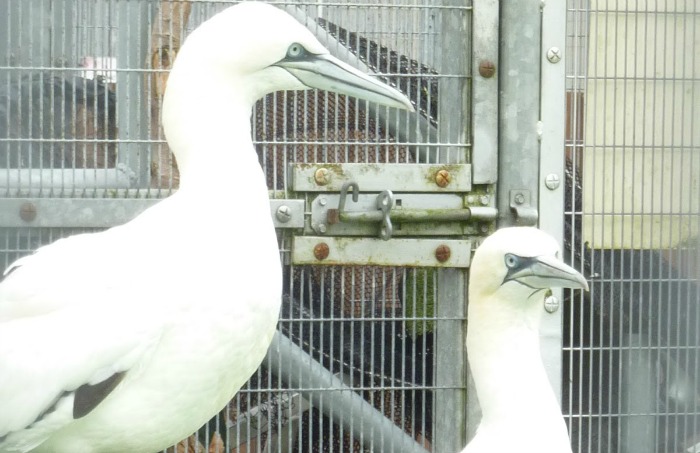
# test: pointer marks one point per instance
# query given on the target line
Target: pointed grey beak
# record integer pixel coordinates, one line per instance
(543, 272)
(326, 72)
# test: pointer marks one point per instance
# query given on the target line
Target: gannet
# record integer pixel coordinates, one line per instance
(129, 340)
(509, 275)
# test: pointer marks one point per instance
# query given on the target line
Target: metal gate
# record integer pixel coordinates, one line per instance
(354, 367)
(378, 211)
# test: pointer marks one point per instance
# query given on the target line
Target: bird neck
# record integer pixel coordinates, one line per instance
(505, 362)
(206, 119)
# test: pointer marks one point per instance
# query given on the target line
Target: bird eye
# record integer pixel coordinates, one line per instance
(296, 50)
(511, 260)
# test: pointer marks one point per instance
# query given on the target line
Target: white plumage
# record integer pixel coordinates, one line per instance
(509, 275)
(130, 339)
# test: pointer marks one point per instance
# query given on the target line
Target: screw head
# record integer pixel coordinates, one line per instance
(322, 201)
(484, 200)
(487, 69)
(442, 253)
(519, 198)
(554, 55)
(321, 251)
(443, 178)
(551, 304)
(322, 176)
(552, 181)
(27, 212)
(284, 213)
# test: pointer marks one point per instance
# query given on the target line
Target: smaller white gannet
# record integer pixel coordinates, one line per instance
(510, 273)
(130, 339)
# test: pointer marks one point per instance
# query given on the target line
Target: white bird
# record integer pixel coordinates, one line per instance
(128, 340)
(509, 275)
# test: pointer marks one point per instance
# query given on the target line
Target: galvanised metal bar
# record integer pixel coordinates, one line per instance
(551, 171)
(454, 122)
(519, 87)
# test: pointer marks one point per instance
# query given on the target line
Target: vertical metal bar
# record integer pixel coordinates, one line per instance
(518, 113)
(450, 364)
(551, 199)
(485, 92)
(450, 400)
(132, 117)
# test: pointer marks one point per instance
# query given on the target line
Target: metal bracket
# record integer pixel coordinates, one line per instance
(520, 204)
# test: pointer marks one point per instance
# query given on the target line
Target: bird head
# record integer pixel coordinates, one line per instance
(520, 261)
(264, 49)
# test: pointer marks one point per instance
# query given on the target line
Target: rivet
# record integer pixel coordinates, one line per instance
(322, 201)
(552, 181)
(442, 253)
(322, 228)
(551, 304)
(322, 176)
(484, 200)
(321, 251)
(470, 199)
(442, 178)
(284, 213)
(487, 69)
(554, 55)
(27, 212)
(519, 198)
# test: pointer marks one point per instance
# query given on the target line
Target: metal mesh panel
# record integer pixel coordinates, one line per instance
(632, 345)
(80, 89)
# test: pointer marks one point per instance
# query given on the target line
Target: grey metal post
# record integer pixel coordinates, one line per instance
(551, 172)
(132, 108)
(454, 119)
(519, 106)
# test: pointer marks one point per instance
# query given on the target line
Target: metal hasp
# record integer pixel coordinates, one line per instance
(521, 205)
(385, 211)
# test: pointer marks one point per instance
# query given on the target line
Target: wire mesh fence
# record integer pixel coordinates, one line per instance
(631, 346)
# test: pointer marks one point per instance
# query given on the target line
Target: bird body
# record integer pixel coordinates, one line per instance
(509, 274)
(132, 338)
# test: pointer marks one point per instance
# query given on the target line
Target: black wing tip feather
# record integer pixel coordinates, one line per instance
(88, 397)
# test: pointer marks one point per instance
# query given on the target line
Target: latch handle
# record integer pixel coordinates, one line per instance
(385, 201)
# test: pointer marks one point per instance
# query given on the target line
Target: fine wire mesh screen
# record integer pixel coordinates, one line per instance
(80, 91)
(632, 345)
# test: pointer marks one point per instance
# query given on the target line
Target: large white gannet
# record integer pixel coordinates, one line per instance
(509, 275)
(129, 340)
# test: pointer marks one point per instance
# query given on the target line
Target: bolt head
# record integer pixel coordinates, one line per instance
(321, 251)
(551, 304)
(519, 198)
(554, 55)
(487, 69)
(322, 201)
(484, 200)
(27, 212)
(442, 253)
(552, 181)
(443, 178)
(284, 214)
(322, 176)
